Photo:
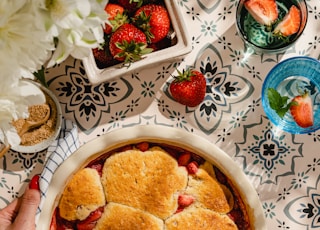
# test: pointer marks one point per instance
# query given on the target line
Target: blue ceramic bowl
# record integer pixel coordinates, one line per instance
(291, 77)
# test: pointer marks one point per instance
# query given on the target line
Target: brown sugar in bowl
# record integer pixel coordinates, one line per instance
(41, 137)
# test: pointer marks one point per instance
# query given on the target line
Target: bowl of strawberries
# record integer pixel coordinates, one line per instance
(140, 33)
(291, 95)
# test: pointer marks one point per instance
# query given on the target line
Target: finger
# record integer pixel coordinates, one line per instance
(28, 208)
(9, 213)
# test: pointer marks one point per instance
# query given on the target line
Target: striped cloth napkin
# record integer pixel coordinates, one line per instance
(58, 152)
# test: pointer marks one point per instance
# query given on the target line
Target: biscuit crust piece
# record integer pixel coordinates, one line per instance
(147, 180)
(82, 195)
(200, 219)
(209, 192)
(119, 217)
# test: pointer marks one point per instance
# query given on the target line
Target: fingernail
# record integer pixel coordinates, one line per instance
(34, 183)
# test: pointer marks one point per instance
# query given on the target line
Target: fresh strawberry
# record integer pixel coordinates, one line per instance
(188, 88)
(290, 23)
(154, 21)
(128, 44)
(302, 111)
(116, 17)
(263, 11)
(185, 200)
(103, 57)
(102, 54)
(192, 167)
(131, 5)
(300, 107)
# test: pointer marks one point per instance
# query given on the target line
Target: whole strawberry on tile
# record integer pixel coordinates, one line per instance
(188, 87)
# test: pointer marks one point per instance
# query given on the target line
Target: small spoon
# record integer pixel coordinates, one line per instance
(29, 124)
(4, 150)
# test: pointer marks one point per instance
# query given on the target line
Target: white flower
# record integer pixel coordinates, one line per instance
(78, 27)
(23, 43)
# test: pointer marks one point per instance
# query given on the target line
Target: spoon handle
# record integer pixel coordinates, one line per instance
(4, 150)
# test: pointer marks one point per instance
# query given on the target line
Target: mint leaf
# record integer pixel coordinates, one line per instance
(282, 111)
(277, 102)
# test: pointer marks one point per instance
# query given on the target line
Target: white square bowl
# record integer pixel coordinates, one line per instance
(179, 49)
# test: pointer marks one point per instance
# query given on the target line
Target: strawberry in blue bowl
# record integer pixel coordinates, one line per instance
(291, 95)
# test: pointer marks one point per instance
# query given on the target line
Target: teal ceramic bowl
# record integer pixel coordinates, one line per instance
(291, 77)
(260, 38)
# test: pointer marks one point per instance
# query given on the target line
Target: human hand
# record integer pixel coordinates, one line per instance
(20, 214)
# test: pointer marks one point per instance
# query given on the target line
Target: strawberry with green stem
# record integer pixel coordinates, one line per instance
(128, 44)
(154, 21)
(300, 107)
(116, 18)
(188, 88)
(102, 55)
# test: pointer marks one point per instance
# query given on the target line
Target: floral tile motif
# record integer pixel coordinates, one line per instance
(8, 181)
(87, 102)
(24, 161)
(271, 153)
(208, 6)
(305, 210)
(17, 168)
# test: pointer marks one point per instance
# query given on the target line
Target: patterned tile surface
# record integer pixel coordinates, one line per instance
(284, 168)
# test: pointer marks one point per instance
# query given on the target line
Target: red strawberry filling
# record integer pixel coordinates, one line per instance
(185, 200)
(58, 223)
(184, 159)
